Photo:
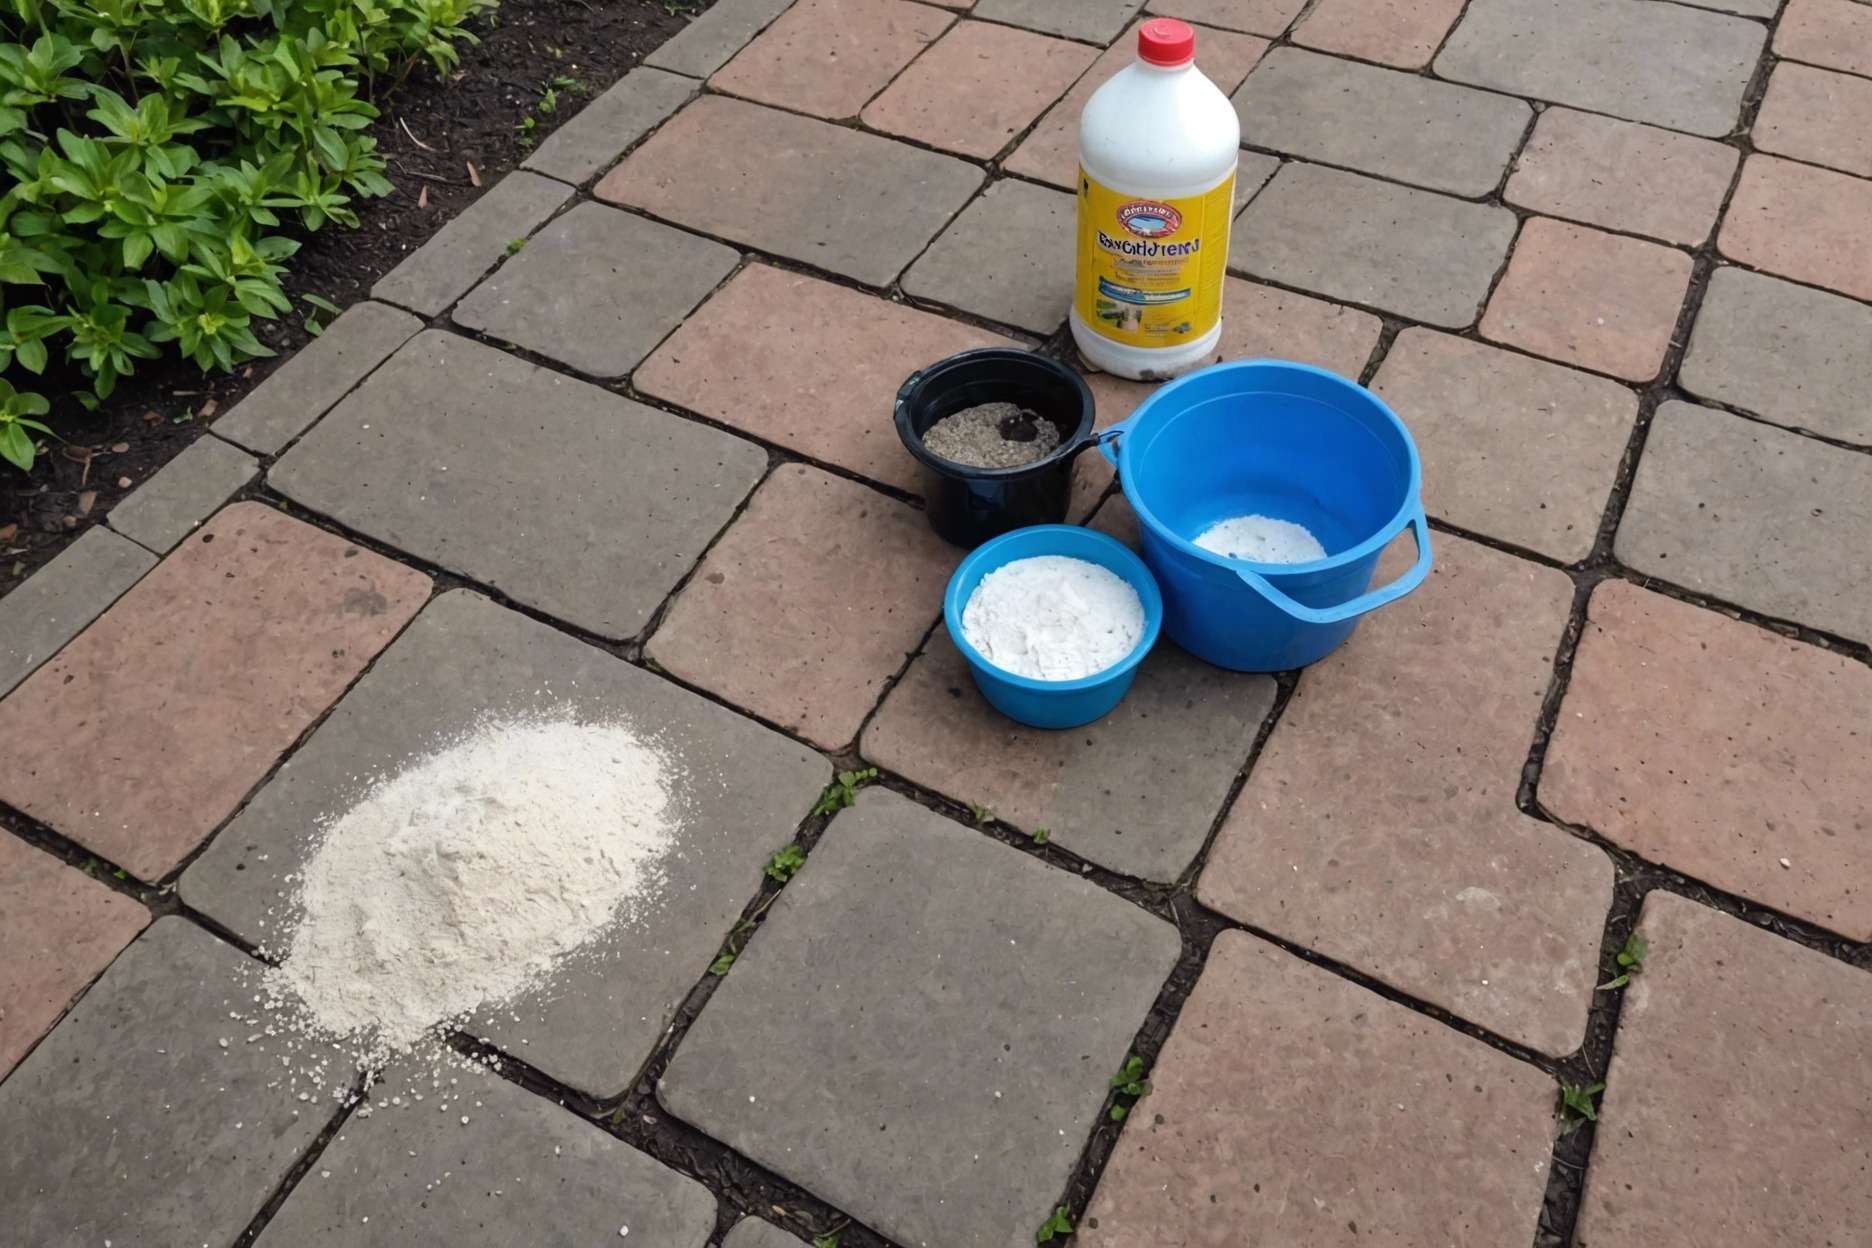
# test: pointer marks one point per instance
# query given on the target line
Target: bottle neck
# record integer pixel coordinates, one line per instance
(1152, 67)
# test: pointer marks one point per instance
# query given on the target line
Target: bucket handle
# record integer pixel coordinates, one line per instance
(1107, 439)
(1369, 601)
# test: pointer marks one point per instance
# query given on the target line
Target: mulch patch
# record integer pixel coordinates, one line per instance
(446, 140)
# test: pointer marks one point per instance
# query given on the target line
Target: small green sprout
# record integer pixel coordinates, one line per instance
(1054, 1227)
(843, 791)
(515, 245)
(721, 964)
(1129, 1081)
(982, 813)
(1630, 961)
(826, 1241)
(785, 862)
(1576, 1105)
(1041, 836)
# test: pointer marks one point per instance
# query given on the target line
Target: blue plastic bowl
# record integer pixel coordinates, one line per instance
(1053, 703)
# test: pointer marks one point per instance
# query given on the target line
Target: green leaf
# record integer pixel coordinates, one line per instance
(321, 303)
(721, 964)
(15, 447)
(785, 862)
(1054, 1227)
(1119, 1113)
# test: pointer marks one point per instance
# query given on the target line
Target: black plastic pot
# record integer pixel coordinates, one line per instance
(967, 506)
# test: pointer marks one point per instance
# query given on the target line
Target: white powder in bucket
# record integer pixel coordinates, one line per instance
(1261, 539)
(1053, 617)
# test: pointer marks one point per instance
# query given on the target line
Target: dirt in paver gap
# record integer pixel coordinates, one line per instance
(430, 131)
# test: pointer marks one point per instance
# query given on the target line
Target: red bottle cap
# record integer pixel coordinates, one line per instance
(1166, 41)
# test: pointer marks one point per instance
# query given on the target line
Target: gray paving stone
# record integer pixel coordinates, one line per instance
(1008, 257)
(597, 289)
(521, 1164)
(1382, 121)
(707, 43)
(443, 269)
(320, 373)
(1790, 354)
(1094, 21)
(1421, 255)
(586, 145)
(922, 1030)
(1753, 515)
(58, 600)
(1747, 8)
(463, 657)
(1677, 67)
(515, 476)
(754, 1233)
(183, 493)
(131, 1123)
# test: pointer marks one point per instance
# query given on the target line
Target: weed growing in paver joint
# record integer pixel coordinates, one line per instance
(1576, 1105)
(785, 862)
(1053, 1227)
(721, 964)
(1041, 836)
(982, 813)
(1129, 1081)
(515, 246)
(826, 1241)
(843, 791)
(1630, 962)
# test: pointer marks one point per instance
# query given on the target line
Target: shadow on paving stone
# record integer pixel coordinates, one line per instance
(744, 791)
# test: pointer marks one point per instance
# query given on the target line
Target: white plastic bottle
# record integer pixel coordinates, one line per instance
(1157, 151)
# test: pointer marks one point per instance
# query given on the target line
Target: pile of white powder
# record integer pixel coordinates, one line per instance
(1053, 618)
(1261, 539)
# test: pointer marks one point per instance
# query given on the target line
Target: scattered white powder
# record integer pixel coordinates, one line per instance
(1053, 618)
(1261, 539)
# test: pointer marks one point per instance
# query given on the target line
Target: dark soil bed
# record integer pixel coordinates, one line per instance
(431, 133)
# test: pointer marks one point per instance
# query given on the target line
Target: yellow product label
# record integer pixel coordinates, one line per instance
(1150, 270)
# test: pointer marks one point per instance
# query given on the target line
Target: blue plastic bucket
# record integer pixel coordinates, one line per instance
(1271, 438)
(1053, 703)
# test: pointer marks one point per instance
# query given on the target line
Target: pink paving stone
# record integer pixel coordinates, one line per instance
(1623, 176)
(59, 929)
(146, 732)
(1257, 17)
(1819, 116)
(1051, 153)
(1738, 1109)
(808, 604)
(1293, 1107)
(1379, 825)
(978, 87)
(1801, 222)
(828, 57)
(1404, 33)
(1722, 750)
(1833, 33)
(1585, 297)
(808, 364)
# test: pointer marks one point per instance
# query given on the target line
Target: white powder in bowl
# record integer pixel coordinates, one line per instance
(1261, 539)
(1053, 618)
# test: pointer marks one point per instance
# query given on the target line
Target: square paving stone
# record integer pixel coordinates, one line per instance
(922, 1030)
(143, 734)
(59, 929)
(443, 269)
(1833, 33)
(842, 200)
(1418, 254)
(1814, 115)
(315, 377)
(1753, 515)
(1404, 33)
(1290, 1106)
(1136, 792)
(1258, 17)
(1029, 232)
(1051, 153)
(828, 57)
(754, 1233)
(1583, 296)
(1623, 176)
(131, 1122)
(1739, 1102)
(809, 364)
(1721, 750)
(716, 34)
(1790, 354)
(1403, 126)
(183, 493)
(1801, 222)
(599, 133)
(809, 604)
(40, 615)
(515, 476)
(1094, 21)
(978, 87)
(1513, 448)
(465, 658)
(597, 289)
(1681, 68)
(1379, 827)
(520, 1164)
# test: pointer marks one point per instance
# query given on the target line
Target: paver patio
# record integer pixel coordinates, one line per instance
(618, 440)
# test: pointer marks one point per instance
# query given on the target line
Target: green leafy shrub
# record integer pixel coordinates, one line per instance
(157, 155)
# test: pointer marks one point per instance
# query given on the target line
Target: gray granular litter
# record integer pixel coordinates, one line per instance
(992, 435)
